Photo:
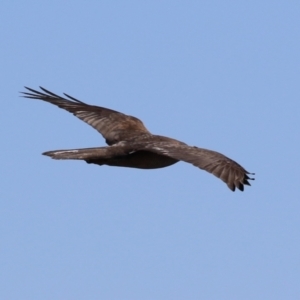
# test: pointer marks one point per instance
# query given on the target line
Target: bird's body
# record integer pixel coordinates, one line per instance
(132, 145)
(138, 159)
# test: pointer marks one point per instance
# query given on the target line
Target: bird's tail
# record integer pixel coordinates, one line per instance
(81, 154)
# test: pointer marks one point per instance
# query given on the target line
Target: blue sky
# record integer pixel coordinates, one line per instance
(222, 75)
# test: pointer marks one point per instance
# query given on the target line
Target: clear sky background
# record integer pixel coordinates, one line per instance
(222, 75)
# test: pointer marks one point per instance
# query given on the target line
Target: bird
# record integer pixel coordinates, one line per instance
(131, 145)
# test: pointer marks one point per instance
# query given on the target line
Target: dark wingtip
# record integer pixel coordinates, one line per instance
(46, 95)
(231, 186)
(240, 186)
(34, 94)
(246, 183)
(72, 98)
(247, 177)
(25, 93)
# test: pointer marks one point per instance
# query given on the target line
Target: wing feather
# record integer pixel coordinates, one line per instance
(114, 126)
(229, 171)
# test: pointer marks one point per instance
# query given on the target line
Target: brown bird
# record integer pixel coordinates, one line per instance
(132, 145)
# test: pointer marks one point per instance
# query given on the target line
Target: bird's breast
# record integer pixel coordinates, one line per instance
(139, 159)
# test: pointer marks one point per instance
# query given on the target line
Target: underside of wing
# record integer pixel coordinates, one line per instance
(114, 126)
(233, 174)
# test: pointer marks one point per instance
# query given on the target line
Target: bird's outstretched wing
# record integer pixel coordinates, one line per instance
(114, 126)
(233, 174)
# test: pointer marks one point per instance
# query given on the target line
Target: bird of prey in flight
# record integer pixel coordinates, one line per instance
(131, 145)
